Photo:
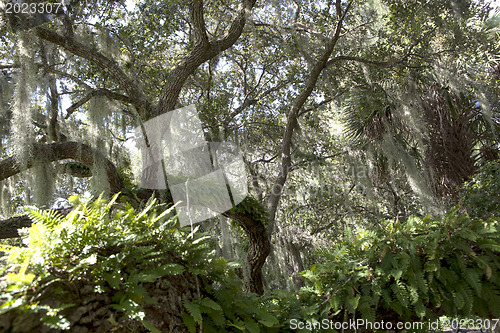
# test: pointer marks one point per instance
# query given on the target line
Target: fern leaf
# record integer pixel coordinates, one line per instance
(386, 297)
(421, 283)
(265, 318)
(413, 291)
(151, 202)
(367, 311)
(251, 326)
(401, 294)
(172, 269)
(484, 263)
(49, 218)
(396, 306)
(194, 311)
(472, 277)
(218, 318)
(352, 303)
(207, 302)
(189, 322)
(419, 309)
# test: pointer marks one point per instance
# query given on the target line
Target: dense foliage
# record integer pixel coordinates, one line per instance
(420, 268)
(369, 136)
(107, 273)
(107, 266)
(480, 196)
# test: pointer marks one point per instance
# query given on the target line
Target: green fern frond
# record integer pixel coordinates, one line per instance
(49, 218)
(472, 277)
(207, 302)
(189, 322)
(194, 310)
(401, 294)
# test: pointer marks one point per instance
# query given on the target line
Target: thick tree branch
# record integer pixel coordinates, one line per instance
(9, 228)
(235, 29)
(200, 53)
(44, 153)
(198, 20)
(140, 101)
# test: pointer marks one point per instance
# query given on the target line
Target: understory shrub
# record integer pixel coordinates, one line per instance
(417, 270)
(480, 196)
(108, 267)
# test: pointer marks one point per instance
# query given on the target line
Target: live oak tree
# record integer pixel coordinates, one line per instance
(73, 38)
(270, 76)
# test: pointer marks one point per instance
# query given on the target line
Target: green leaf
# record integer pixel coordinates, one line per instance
(252, 326)
(218, 318)
(150, 275)
(189, 322)
(207, 302)
(113, 279)
(267, 319)
(150, 205)
(172, 269)
(352, 302)
(194, 311)
(472, 278)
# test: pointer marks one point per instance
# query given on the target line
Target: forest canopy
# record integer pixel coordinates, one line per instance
(303, 160)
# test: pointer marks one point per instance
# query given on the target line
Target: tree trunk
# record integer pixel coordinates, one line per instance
(297, 265)
(294, 113)
(257, 252)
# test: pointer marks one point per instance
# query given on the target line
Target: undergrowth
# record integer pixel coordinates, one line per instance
(142, 261)
(124, 254)
(418, 270)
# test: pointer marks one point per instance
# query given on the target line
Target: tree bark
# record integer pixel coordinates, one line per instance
(203, 50)
(133, 90)
(44, 153)
(297, 265)
(258, 250)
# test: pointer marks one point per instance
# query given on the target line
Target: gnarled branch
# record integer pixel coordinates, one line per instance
(203, 51)
(298, 103)
(43, 153)
(140, 101)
